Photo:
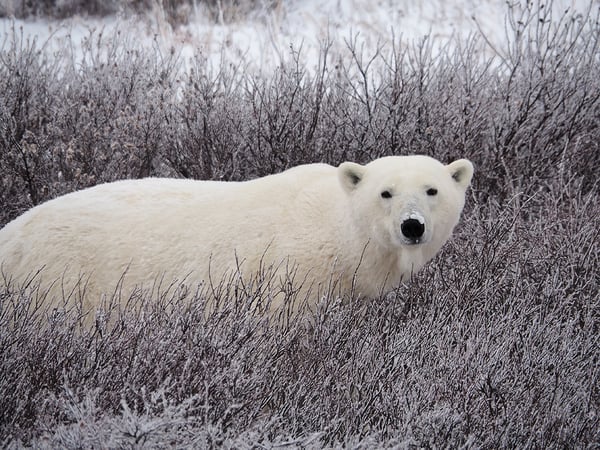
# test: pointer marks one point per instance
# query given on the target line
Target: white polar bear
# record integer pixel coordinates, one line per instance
(367, 227)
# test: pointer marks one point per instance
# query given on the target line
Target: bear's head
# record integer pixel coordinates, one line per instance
(406, 200)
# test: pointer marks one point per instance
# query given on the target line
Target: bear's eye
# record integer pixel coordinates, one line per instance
(432, 191)
(386, 194)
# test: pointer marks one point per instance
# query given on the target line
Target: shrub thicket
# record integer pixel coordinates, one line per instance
(495, 344)
(175, 12)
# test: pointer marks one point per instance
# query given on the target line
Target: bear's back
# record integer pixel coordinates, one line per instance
(155, 226)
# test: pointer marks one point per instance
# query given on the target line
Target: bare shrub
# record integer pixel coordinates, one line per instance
(175, 12)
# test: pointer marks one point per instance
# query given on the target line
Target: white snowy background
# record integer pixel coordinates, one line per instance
(263, 39)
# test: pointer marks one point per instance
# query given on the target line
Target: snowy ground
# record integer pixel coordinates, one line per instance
(265, 38)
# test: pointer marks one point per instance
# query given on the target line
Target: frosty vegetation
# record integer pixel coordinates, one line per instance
(176, 12)
(496, 344)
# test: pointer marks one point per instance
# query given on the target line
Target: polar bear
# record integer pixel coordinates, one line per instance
(366, 226)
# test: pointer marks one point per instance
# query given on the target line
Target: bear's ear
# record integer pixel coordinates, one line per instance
(350, 175)
(461, 171)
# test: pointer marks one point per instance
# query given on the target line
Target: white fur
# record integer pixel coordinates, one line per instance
(323, 220)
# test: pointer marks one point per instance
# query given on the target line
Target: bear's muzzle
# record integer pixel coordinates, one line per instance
(413, 229)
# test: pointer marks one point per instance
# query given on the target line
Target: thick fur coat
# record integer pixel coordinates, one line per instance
(366, 227)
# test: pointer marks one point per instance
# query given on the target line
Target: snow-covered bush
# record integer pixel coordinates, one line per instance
(175, 12)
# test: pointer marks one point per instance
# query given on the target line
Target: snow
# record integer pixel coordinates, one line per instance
(265, 38)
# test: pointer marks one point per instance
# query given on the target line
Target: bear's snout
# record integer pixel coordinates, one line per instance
(413, 230)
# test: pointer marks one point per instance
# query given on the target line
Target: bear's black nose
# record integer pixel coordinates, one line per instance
(412, 229)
